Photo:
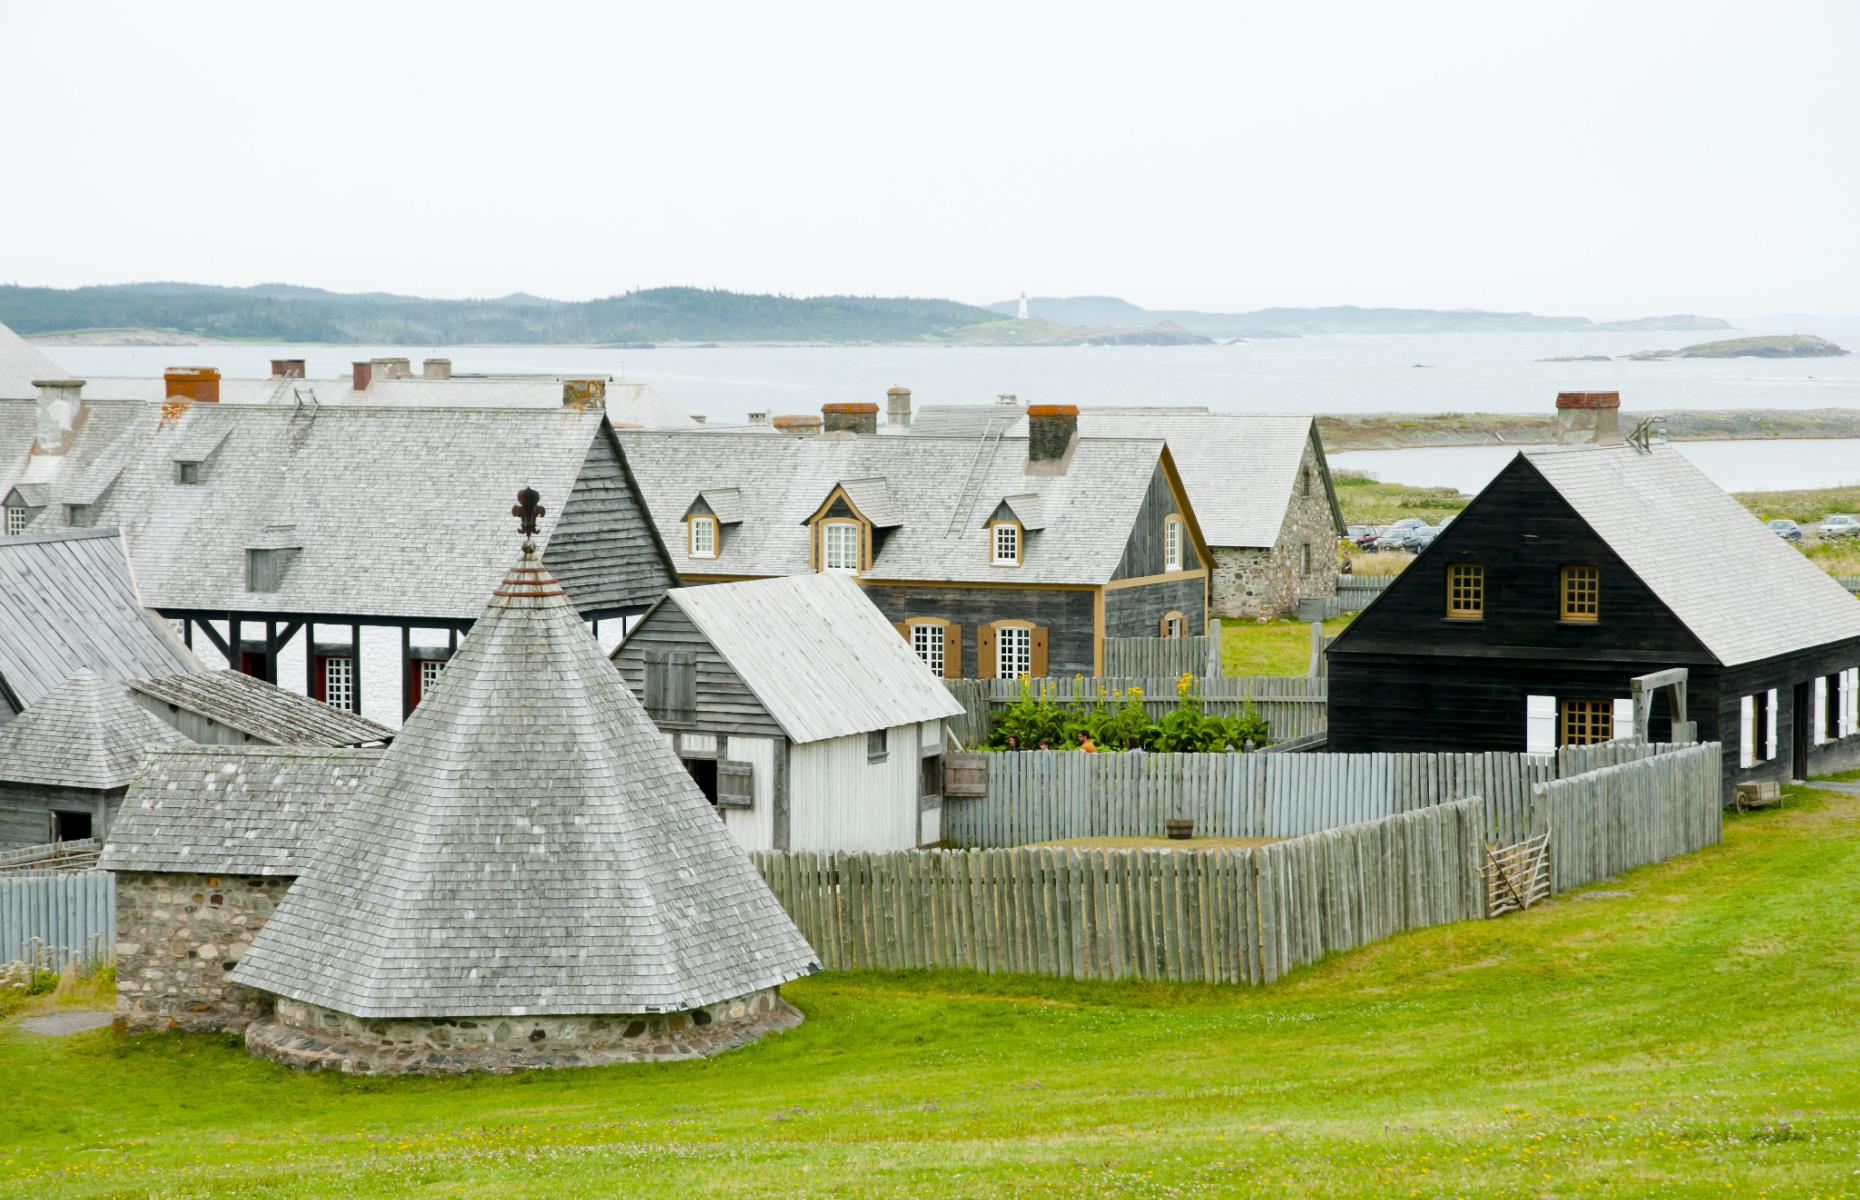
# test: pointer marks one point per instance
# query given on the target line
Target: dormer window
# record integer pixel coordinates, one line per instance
(839, 546)
(1173, 534)
(18, 516)
(77, 515)
(702, 532)
(265, 569)
(1004, 543)
(187, 472)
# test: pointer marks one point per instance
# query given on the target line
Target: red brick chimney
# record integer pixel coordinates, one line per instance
(199, 384)
(287, 368)
(849, 418)
(364, 375)
(1588, 418)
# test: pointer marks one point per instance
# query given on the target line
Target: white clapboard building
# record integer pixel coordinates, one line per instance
(798, 710)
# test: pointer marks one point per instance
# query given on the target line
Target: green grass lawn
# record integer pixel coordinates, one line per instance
(1689, 1029)
(1269, 647)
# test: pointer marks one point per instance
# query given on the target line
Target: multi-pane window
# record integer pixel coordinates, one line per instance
(430, 670)
(927, 640)
(16, 518)
(1172, 544)
(839, 546)
(703, 537)
(1006, 544)
(1013, 651)
(1466, 590)
(339, 682)
(1586, 722)
(1582, 593)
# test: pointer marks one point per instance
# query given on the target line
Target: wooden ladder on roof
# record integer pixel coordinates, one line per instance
(963, 512)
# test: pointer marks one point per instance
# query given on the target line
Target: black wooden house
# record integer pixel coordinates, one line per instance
(1579, 568)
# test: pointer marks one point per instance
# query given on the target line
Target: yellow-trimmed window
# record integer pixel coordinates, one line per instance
(1465, 591)
(839, 546)
(1580, 592)
(1175, 534)
(702, 532)
(1004, 539)
(1586, 722)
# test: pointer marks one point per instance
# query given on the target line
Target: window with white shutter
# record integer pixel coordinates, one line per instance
(1747, 732)
(1850, 701)
(1540, 724)
(1818, 718)
(1769, 729)
(1624, 719)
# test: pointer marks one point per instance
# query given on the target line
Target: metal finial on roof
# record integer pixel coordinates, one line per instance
(528, 510)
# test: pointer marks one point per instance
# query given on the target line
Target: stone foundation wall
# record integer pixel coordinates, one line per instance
(177, 940)
(309, 1036)
(1269, 581)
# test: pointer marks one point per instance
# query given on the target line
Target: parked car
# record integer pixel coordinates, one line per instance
(1836, 525)
(1367, 539)
(1394, 539)
(1786, 529)
(1420, 539)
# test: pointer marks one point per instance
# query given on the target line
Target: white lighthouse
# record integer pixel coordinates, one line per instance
(1023, 306)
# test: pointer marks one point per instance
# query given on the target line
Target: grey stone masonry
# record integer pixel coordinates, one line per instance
(177, 939)
(1269, 581)
(309, 1036)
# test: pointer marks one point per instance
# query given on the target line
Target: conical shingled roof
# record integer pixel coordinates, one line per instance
(85, 733)
(528, 846)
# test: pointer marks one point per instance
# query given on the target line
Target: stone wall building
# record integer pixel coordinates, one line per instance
(210, 839)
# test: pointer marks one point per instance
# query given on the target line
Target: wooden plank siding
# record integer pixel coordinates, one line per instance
(1144, 551)
(724, 703)
(1137, 611)
(605, 550)
(1067, 615)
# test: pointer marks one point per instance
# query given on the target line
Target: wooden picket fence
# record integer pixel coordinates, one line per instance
(1058, 795)
(1219, 916)
(80, 854)
(1356, 591)
(1606, 821)
(1160, 657)
(1292, 705)
(51, 919)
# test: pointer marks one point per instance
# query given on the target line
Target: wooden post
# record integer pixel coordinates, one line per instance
(406, 670)
(309, 658)
(355, 651)
(1214, 649)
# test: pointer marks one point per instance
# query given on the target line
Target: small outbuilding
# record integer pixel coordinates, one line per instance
(799, 711)
(527, 878)
(66, 761)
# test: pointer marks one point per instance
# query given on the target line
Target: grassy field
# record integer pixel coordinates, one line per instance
(1269, 647)
(1687, 1030)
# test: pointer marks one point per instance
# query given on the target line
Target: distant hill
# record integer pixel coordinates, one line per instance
(286, 313)
(1288, 322)
(1798, 345)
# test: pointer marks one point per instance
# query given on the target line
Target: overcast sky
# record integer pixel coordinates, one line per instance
(1605, 159)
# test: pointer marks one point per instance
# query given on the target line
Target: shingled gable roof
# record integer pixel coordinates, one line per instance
(21, 364)
(68, 603)
(390, 506)
(233, 810)
(835, 667)
(1739, 588)
(940, 490)
(84, 734)
(262, 710)
(529, 845)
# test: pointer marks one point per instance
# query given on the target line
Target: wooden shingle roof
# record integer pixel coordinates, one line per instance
(83, 734)
(528, 845)
(262, 710)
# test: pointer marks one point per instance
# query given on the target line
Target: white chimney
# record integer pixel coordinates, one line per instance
(60, 403)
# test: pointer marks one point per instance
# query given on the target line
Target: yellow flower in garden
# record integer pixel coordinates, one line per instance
(1136, 693)
(1185, 684)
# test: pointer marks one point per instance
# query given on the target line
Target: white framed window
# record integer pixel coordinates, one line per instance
(1013, 651)
(430, 671)
(339, 682)
(17, 518)
(1005, 545)
(927, 641)
(1756, 729)
(703, 537)
(839, 546)
(1540, 724)
(1172, 544)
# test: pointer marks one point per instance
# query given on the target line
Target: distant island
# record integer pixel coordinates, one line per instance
(1795, 345)
(189, 313)
(1294, 322)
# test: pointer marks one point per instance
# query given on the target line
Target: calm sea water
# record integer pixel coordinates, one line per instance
(1329, 374)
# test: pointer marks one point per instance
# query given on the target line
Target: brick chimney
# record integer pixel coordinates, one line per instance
(797, 424)
(287, 368)
(898, 406)
(61, 406)
(1588, 418)
(759, 417)
(436, 368)
(850, 418)
(584, 394)
(199, 384)
(364, 375)
(1051, 430)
